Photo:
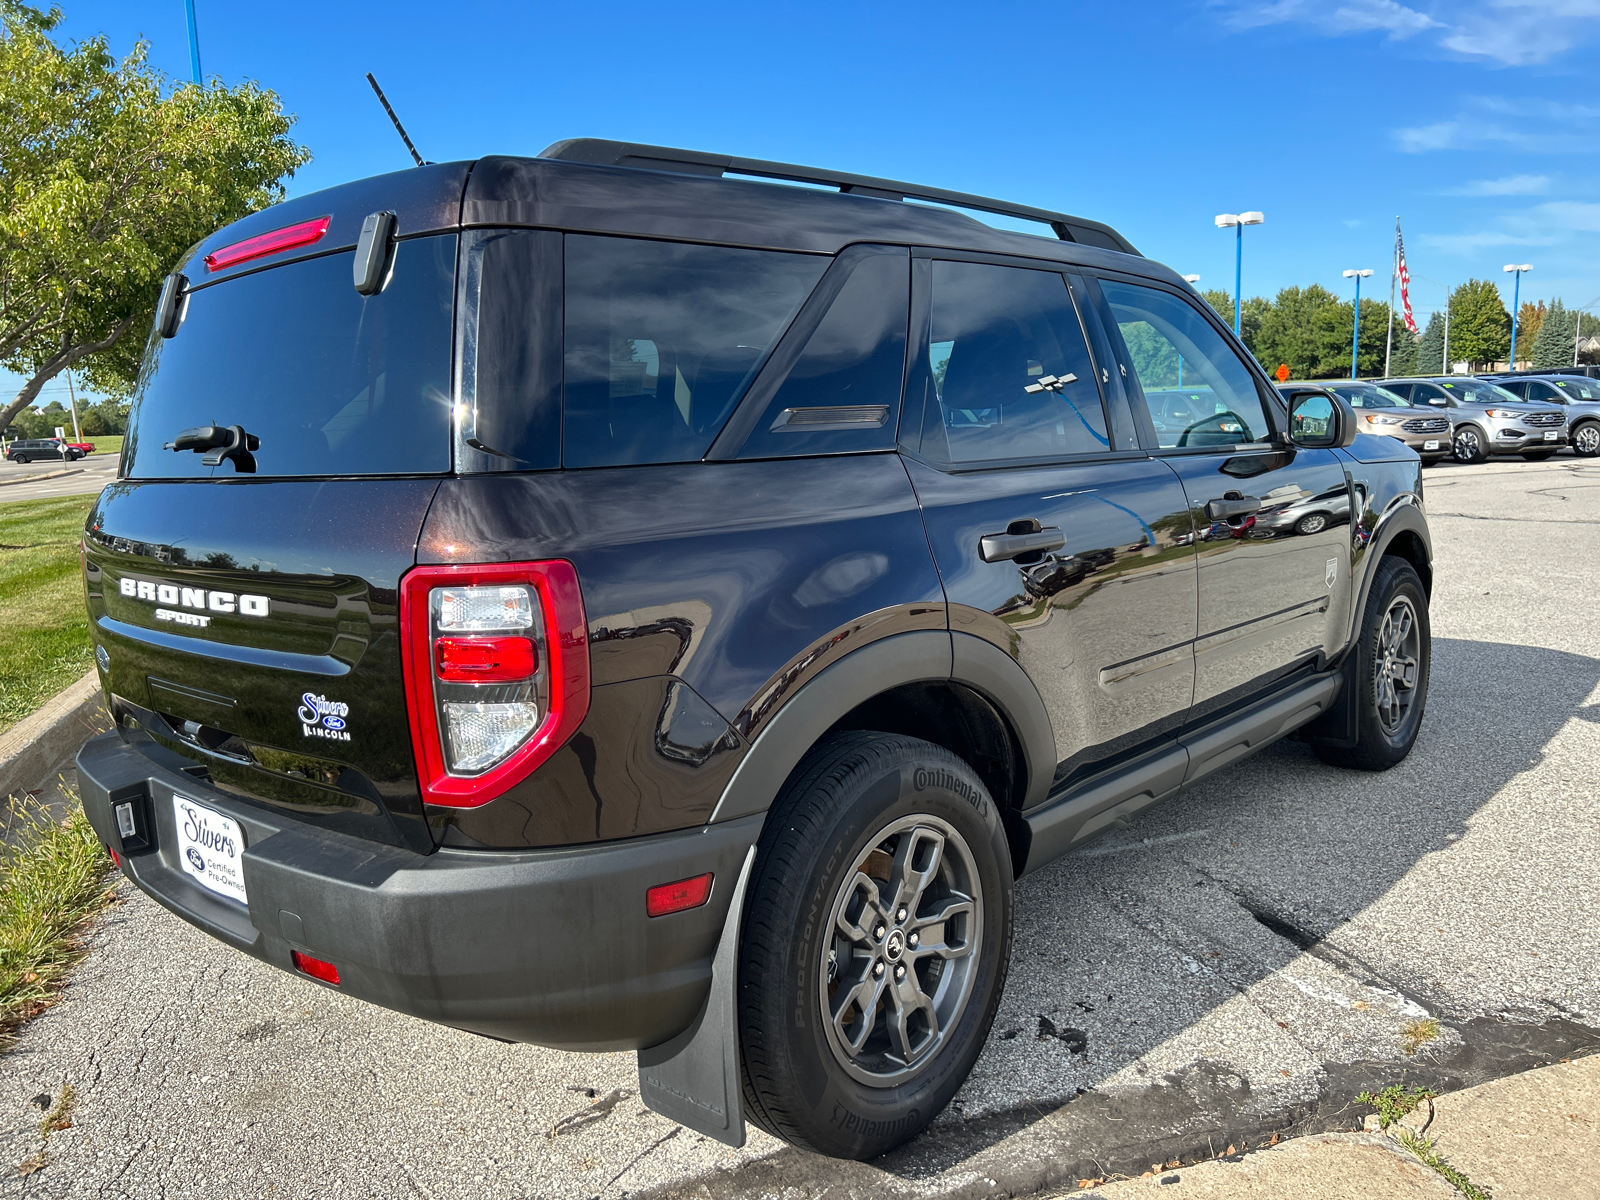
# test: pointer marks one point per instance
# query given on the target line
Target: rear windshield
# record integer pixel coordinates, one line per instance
(330, 381)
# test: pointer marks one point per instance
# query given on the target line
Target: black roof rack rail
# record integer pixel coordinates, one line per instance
(693, 162)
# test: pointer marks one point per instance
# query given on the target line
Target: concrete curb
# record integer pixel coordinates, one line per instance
(38, 744)
(37, 478)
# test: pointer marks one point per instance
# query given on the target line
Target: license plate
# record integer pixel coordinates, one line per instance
(1550, 435)
(1433, 445)
(210, 848)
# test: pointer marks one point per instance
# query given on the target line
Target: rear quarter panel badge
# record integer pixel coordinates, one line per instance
(323, 718)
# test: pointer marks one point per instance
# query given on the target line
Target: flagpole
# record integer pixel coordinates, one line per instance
(1394, 274)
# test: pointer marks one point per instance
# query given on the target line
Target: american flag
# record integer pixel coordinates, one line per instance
(1405, 278)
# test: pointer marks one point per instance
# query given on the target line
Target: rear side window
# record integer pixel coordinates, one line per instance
(843, 392)
(330, 381)
(662, 339)
(1004, 371)
(1198, 390)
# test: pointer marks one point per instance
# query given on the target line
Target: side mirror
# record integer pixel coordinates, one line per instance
(1439, 402)
(1319, 420)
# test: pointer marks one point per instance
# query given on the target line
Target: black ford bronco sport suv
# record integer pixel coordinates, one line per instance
(602, 601)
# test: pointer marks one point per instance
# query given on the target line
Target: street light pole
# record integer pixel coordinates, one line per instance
(194, 42)
(1516, 269)
(1237, 222)
(1355, 336)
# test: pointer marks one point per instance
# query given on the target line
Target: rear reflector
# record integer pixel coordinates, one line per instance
(685, 894)
(484, 659)
(115, 857)
(315, 967)
(263, 244)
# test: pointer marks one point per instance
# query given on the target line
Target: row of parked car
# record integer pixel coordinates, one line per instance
(1470, 417)
(27, 450)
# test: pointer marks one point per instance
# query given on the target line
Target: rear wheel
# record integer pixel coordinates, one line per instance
(1586, 439)
(875, 947)
(1469, 446)
(1391, 671)
(1311, 523)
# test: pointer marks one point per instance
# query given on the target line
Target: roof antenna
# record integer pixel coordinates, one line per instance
(399, 128)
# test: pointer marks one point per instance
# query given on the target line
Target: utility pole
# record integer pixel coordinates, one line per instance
(72, 399)
(1445, 365)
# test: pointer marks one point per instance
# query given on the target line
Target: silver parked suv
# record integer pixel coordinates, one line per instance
(1578, 395)
(1425, 429)
(1486, 419)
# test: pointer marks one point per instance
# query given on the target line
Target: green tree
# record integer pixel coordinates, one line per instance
(1529, 318)
(104, 419)
(108, 173)
(1430, 347)
(1402, 349)
(1308, 329)
(1250, 313)
(1552, 347)
(1480, 327)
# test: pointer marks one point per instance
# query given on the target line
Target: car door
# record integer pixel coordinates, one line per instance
(1056, 537)
(1272, 519)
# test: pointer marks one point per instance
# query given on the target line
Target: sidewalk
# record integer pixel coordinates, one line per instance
(1534, 1136)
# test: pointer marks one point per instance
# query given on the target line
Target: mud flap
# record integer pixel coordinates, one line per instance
(694, 1078)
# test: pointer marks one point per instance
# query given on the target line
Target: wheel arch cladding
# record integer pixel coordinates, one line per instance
(954, 690)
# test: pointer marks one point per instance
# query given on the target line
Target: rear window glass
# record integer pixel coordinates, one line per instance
(662, 339)
(330, 381)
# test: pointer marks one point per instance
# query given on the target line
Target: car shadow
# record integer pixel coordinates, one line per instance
(1148, 1015)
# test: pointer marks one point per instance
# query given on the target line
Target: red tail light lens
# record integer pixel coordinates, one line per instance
(497, 673)
(115, 857)
(685, 894)
(484, 659)
(263, 244)
(315, 967)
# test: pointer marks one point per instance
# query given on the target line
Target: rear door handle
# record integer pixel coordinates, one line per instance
(1232, 506)
(998, 547)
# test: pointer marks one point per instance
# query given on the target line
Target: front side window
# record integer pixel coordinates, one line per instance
(663, 338)
(1005, 371)
(1198, 390)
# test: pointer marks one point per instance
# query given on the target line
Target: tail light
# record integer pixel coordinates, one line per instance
(288, 238)
(496, 664)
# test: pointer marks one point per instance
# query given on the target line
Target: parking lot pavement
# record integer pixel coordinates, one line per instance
(37, 480)
(1241, 961)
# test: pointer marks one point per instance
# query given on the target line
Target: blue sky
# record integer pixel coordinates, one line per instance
(1477, 121)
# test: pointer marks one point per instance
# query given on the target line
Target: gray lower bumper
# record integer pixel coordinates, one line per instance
(549, 946)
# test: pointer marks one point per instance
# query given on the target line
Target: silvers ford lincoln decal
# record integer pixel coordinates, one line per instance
(323, 718)
(205, 600)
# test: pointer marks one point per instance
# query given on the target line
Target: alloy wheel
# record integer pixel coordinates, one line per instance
(1398, 664)
(1587, 440)
(899, 968)
(1468, 446)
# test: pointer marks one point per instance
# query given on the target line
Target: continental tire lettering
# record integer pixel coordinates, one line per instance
(937, 777)
(852, 1123)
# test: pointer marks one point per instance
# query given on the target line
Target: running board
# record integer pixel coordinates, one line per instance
(1113, 798)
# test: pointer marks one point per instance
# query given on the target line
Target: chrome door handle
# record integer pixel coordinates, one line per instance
(998, 547)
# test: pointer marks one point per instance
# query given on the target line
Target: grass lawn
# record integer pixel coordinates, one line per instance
(105, 447)
(41, 602)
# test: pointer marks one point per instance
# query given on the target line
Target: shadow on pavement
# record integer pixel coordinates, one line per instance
(1140, 949)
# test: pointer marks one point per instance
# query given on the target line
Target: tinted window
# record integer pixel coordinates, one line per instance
(1005, 372)
(1198, 391)
(332, 382)
(1517, 387)
(843, 392)
(1369, 397)
(511, 361)
(662, 339)
(1403, 390)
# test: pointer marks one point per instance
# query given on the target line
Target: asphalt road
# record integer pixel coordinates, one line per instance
(1242, 960)
(37, 480)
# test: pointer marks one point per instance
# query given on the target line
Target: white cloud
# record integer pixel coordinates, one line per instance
(1508, 32)
(1469, 243)
(1530, 126)
(1507, 185)
(1571, 215)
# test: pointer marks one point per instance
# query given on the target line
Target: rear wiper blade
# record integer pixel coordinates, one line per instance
(219, 442)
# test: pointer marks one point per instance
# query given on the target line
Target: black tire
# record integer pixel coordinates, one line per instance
(20, 459)
(1384, 738)
(1586, 439)
(1469, 445)
(829, 818)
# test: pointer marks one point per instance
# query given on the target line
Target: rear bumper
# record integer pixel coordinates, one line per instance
(547, 946)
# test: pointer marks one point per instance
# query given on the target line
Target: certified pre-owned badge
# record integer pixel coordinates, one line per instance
(323, 718)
